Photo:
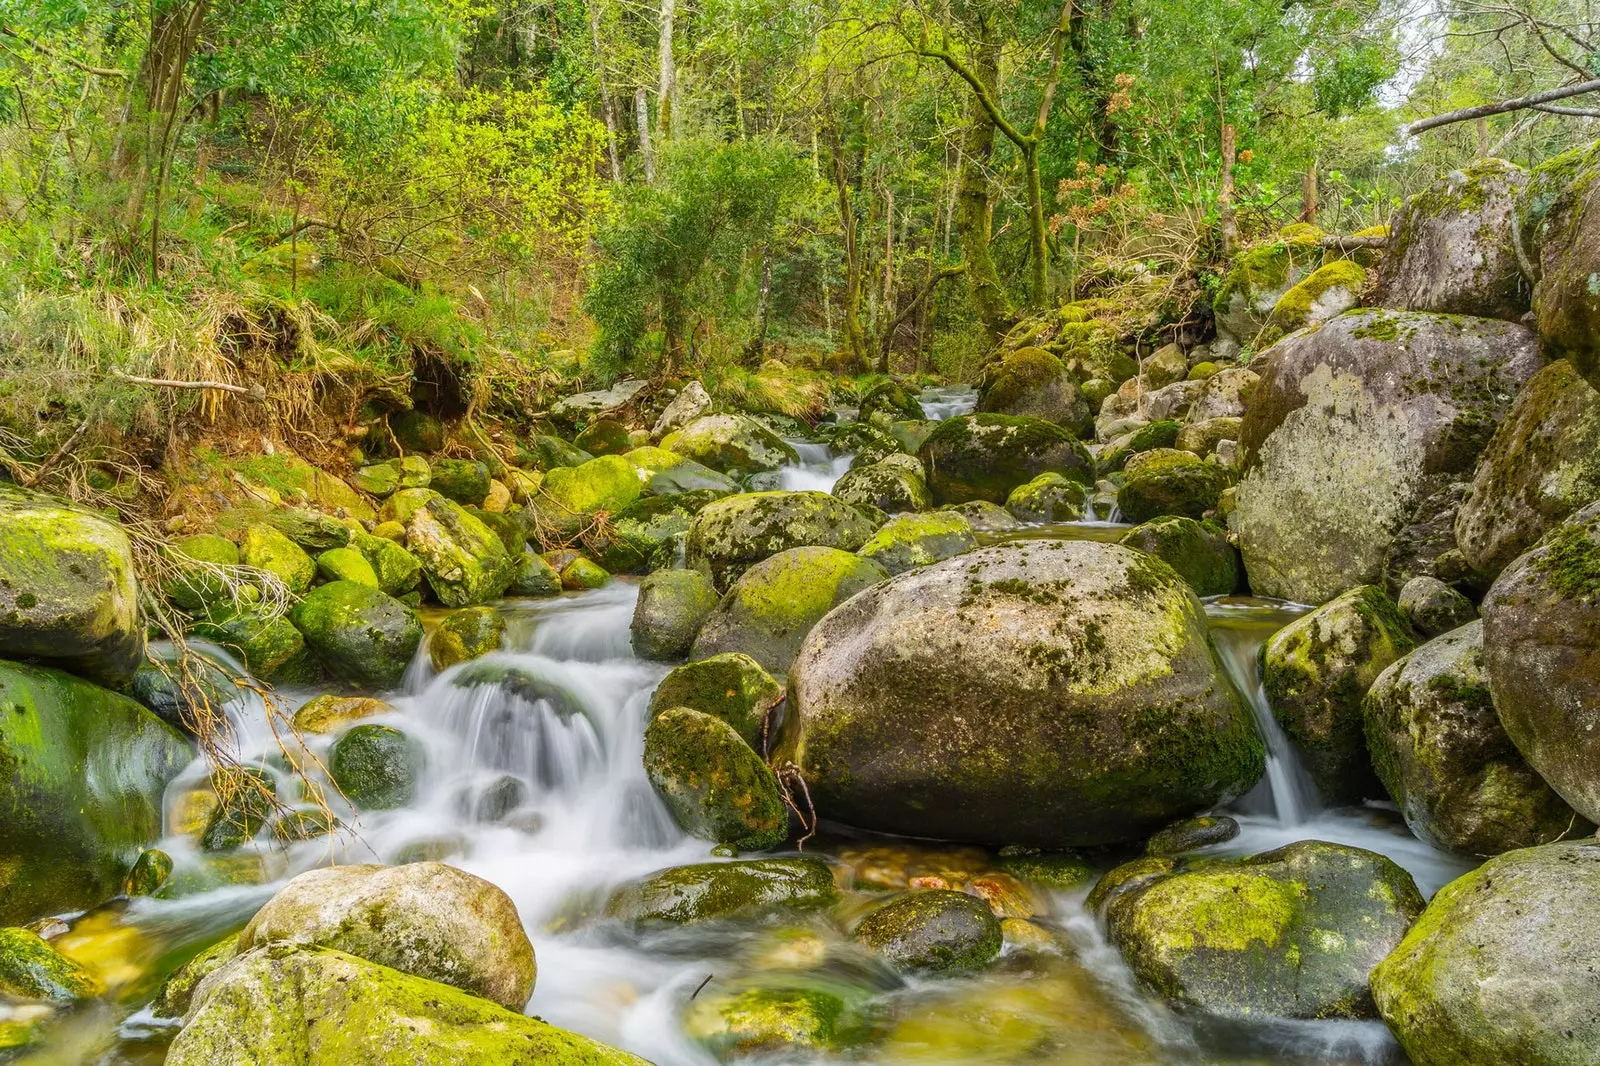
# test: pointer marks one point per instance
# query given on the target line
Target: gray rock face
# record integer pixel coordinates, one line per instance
(1434, 608)
(1353, 426)
(1541, 649)
(690, 403)
(1225, 394)
(1452, 249)
(1502, 966)
(1052, 693)
(1561, 218)
(585, 406)
(1541, 465)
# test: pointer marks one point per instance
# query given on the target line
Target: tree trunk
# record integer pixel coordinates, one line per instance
(855, 338)
(1038, 234)
(972, 201)
(756, 350)
(1308, 195)
(669, 74)
(641, 118)
(608, 109)
(1230, 223)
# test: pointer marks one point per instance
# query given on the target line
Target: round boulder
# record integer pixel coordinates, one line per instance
(985, 456)
(359, 634)
(1198, 551)
(714, 785)
(733, 444)
(1031, 381)
(932, 932)
(672, 606)
(708, 891)
(732, 687)
(911, 540)
(1050, 693)
(729, 536)
(376, 767)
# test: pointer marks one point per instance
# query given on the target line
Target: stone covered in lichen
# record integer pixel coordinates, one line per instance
(1198, 551)
(890, 399)
(667, 616)
(647, 534)
(267, 549)
(572, 495)
(1433, 608)
(1492, 970)
(732, 444)
(766, 1019)
(731, 535)
(712, 890)
(286, 1006)
(986, 456)
(935, 931)
(1541, 650)
(931, 705)
(1031, 381)
(32, 969)
(85, 770)
(197, 581)
(177, 991)
(716, 787)
(770, 609)
(906, 542)
(1561, 219)
(731, 686)
(1168, 481)
(1444, 757)
(376, 767)
(1191, 834)
(422, 918)
(1050, 497)
(1291, 933)
(347, 564)
(465, 634)
(1260, 276)
(1354, 426)
(1316, 670)
(1327, 291)
(268, 645)
(887, 486)
(358, 633)
(465, 561)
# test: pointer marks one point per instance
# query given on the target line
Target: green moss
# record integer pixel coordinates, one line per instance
(767, 1019)
(376, 767)
(710, 891)
(267, 549)
(466, 634)
(358, 633)
(1293, 310)
(32, 969)
(270, 647)
(732, 687)
(713, 783)
(347, 564)
(1569, 559)
(936, 931)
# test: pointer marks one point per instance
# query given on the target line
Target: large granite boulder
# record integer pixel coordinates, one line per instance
(986, 456)
(1561, 219)
(731, 535)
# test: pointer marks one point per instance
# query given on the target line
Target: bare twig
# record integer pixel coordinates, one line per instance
(55, 457)
(252, 392)
(1345, 244)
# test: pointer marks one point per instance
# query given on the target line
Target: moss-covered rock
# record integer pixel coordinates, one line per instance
(935, 931)
(1225, 394)
(376, 766)
(1452, 248)
(1169, 481)
(1198, 551)
(732, 687)
(603, 436)
(733, 534)
(1541, 650)
(416, 431)
(68, 595)
(1444, 757)
(985, 456)
(346, 564)
(465, 481)
(1031, 381)
(32, 969)
(245, 802)
(671, 607)
(768, 1019)
(403, 504)
(465, 634)
(200, 565)
(770, 609)
(571, 496)
(1316, 670)
(647, 534)
(888, 486)
(329, 713)
(1259, 277)
(1327, 291)
(80, 795)
(1431, 607)
(422, 918)
(178, 989)
(267, 549)
(1561, 218)
(582, 574)
(1353, 428)
(1050, 497)
(716, 787)
(1191, 834)
(547, 453)
(397, 570)
(931, 705)
(534, 576)
(984, 517)
(912, 540)
(286, 1006)
(1488, 972)
(268, 645)
(890, 400)
(1162, 433)
(358, 633)
(708, 891)
(464, 561)
(1291, 933)
(733, 444)
(1541, 465)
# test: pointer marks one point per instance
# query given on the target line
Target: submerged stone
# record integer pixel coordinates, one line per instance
(713, 890)
(936, 931)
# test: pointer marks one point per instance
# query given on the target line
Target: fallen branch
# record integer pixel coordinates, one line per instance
(253, 392)
(1522, 103)
(55, 457)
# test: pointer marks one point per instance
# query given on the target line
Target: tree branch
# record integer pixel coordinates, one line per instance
(253, 392)
(46, 50)
(1485, 110)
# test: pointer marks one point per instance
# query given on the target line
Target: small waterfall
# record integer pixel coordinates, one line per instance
(819, 469)
(947, 401)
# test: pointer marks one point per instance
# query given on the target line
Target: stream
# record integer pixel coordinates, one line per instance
(584, 818)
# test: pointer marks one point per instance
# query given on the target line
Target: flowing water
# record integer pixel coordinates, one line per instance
(534, 781)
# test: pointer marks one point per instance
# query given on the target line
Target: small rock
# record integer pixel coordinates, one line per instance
(934, 931)
(1432, 607)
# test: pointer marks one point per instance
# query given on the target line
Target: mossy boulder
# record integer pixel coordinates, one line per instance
(32, 969)
(1327, 291)
(465, 562)
(283, 1005)
(572, 495)
(465, 634)
(770, 609)
(986, 456)
(716, 787)
(1541, 465)
(689, 476)
(888, 486)
(647, 534)
(1561, 218)
(465, 481)
(933, 931)
(358, 633)
(603, 436)
(671, 607)
(68, 594)
(397, 570)
(423, 918)
(650, 460)
(416, 431)
(1225, 394)
(546, 453)
(890, 399)
(346, 564)
(911, 540)
(767, 1019)
(1541, 650)
(178, 696)
(403, 504)
(200, 565)
(376, 766)
(1050, 497)
(534, 577)
(268, 645)
(984, 517)
(1489, 972)
(245, 802)
(1431, 607)
(731, 535)
(582, 574)
(1191, 834)
(1452, 248)
(85, 770)
(1162, 433)
(178, 990)
(931, 705)
(1353, 428)
(265, 548)
(1444, 757)
(1291, 933)
(709, 891)
(733, 444)
(1198, 551)
(1031, 381)
(732, 687)
(1259, 277)
(329, 713)
(1169, 481)
(1317, 669)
